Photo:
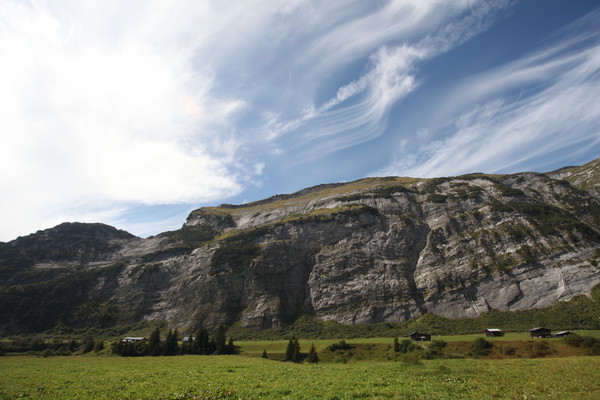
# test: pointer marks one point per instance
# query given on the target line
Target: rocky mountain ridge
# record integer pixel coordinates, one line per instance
(373, 250)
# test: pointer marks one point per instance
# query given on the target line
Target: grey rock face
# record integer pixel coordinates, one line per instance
(374, 250)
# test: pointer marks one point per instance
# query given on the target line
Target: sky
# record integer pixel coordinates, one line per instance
(134, 113)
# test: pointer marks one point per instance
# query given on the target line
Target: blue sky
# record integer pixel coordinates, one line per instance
(135, 113)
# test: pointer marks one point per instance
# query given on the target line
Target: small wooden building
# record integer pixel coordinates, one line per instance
(133, 339)
(493, 332)
(540, 332)
(420, 337)
(563, 333)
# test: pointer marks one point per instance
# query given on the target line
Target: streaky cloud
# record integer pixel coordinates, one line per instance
(358, 111)
(541, 104)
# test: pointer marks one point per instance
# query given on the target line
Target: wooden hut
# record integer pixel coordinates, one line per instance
(540, 332)
(133, 339)
(493, 332)
(563, 333)
(420, 337)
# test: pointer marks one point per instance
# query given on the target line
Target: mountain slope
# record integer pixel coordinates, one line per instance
(377, 249)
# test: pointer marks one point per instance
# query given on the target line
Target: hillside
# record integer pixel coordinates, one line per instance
(374, 250)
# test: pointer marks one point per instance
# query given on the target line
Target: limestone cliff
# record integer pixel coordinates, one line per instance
(377, 249)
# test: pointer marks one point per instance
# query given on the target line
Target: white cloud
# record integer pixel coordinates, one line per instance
(92, 117)
(556, 111)
(358, 111)
(108, 104)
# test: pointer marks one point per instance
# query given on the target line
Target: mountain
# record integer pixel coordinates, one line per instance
(377, 249)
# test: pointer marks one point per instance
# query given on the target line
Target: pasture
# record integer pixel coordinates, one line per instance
(233, 377)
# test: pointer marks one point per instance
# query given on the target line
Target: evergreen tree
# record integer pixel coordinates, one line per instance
(117, 347)
(99, 346)
(230, 346)
(166, 348)
(73, 345)
(289, 351)
(396, 345)
(264, 354)
(292, 352)
(88, 344)
(201, 342)
(140, 349)
(312, 355)
(171, 343)
(296, 355)
(221, 347)
(154, 346)
(186, 346)
(195, 345)
(175, 343)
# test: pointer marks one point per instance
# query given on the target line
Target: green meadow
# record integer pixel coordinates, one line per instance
(516, 367)
(235, 377)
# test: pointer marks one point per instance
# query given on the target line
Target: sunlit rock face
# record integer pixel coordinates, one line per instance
(373, 250)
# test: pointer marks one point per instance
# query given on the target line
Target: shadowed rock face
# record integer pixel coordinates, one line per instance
(378, 249)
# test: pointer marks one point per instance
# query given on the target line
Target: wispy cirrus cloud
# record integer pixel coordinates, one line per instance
(542, 104)
(358, 111)
(109, 107)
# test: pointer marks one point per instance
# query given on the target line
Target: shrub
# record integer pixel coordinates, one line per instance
(437, 198)
(480, 347)
(573, 340)
(436, 347)
(341, 345)
(539, 349)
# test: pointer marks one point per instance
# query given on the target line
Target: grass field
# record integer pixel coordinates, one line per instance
(279, 346)
(231, 377)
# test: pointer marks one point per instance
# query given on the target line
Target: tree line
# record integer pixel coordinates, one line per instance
(46, 348)
(202, 343)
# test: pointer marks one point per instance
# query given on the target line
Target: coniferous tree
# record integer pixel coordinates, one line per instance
(202, 342)
(154, 346)
(264, 354)
(296, 355)
(195, 345)
(88, 344)
(175, 343)
(117, 347)
(171, 343)
(289, 351)
(396, 345)
(230, 346)
(221, 347)
(312, 355)
(99, 346)
(186, 346)
(166, 348)
(212, 346)
(292, 352)
(73, 345)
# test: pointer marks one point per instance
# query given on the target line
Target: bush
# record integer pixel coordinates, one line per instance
(47, 353)
(341, 345)
(591, 344)
(480, 347)
(436, 347)
(539, 349)
(437, 198)
(405, 346)
(573, 340)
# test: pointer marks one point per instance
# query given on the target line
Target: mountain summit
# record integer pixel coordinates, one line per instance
(373, 250)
